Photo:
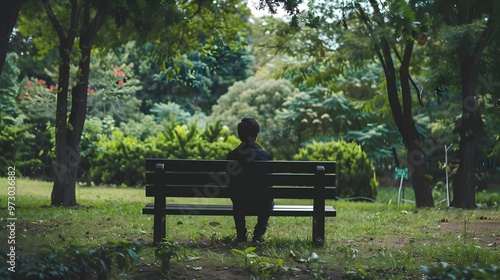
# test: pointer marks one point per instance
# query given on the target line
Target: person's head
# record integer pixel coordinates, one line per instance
(248, 130)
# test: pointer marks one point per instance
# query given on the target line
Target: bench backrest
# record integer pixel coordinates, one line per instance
(210, 178)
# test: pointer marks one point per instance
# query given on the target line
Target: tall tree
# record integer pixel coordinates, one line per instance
(69, 131)
(387, 31)
(399, 17)
(472, 24)
(82, 19)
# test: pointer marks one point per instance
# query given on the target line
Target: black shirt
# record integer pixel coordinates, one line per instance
(246, 184)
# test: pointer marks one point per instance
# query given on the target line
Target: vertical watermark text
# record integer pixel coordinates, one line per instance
(11, 218)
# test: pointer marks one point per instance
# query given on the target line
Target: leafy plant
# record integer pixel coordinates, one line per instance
(120, 159)
(355, 173)
(443, 270)
(16, 143)
(259, 266)
(165, 251)
(77, 262)
(309, 262)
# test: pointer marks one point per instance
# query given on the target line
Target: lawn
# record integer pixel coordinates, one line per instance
(366, 240)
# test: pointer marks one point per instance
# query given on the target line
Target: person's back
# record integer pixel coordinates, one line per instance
(247, 193)
(243, 184)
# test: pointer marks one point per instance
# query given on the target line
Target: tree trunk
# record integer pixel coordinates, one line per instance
(416, 162)
(66, 42)
(471, 130)
(411, 137)
(471, 126)
(403, 117)
(8, 18)
(79, 103)
(402, 110)
(59, 166)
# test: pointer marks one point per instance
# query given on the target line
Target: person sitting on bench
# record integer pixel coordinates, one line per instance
(247, 196)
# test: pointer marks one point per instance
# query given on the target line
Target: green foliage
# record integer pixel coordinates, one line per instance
(487, 199)
(141, 129)
(38, 101)
(9, 86)
(188, 141)
(165, 251)
(118, 158)
(197, 79)
(355, 173)
(443, 270)
(320, 113)
(77, 262)
(260, 99)
(17, 145)
(166, 111)
(113, 86)
(309, 262)
(259, 266)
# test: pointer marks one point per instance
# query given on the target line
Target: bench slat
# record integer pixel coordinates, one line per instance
(226, 210)
(222, 179)
(223, 192)
(233, 166)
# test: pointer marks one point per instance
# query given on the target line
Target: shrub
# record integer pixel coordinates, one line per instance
(119, 158)
(355, 173)
(191, 142)
(17, 143)
(487, 199)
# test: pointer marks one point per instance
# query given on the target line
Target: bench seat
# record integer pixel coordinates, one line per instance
(227, 210)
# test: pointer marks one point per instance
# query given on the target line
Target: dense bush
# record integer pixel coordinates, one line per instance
(355, 173)
(118, 159)
(191, 142)
(16, 143)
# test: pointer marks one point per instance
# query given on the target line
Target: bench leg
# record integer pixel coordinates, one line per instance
(319, 208)
(159, 228)
(318, 233)
(159, 220)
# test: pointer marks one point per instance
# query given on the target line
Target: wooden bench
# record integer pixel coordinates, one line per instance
(210, 179)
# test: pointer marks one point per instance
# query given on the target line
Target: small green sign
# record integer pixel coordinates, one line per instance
(401, 172)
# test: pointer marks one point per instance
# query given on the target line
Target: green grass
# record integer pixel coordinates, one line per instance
(370, 240)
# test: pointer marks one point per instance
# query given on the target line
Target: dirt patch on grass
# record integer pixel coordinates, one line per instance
(483, 230)
(235, 273)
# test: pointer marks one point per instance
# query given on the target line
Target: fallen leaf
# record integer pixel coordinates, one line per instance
(195, 268)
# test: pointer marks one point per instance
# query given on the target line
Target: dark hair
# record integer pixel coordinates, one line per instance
(248, 129)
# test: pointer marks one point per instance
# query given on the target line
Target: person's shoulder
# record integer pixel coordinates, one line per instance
(232, 155)
(264, 155)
